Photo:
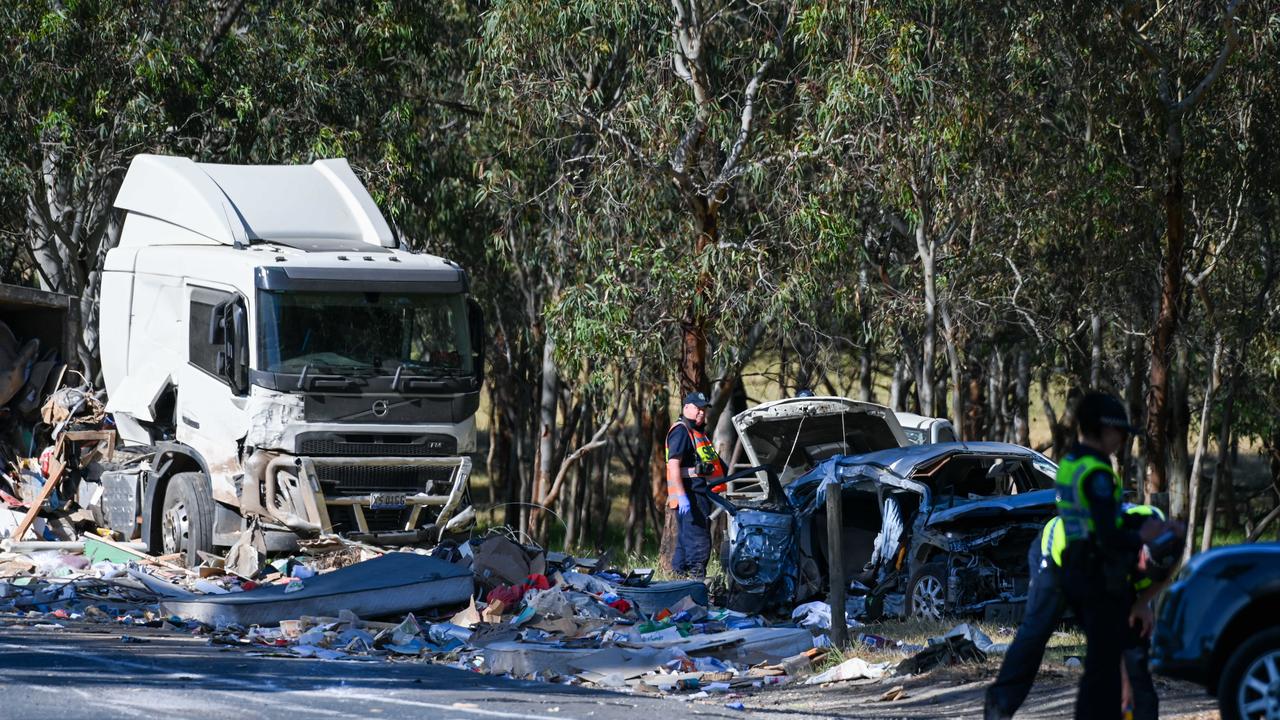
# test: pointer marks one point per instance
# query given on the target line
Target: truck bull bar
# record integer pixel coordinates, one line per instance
(296, 480)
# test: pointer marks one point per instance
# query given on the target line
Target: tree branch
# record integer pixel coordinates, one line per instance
(1224, 54)
(220, 29)
(598, 439)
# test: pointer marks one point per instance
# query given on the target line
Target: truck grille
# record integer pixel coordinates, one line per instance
(343, 519)
(361, 479)
(430, 446)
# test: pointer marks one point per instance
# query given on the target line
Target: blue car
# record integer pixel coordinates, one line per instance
(929, 530)
(1218, 625)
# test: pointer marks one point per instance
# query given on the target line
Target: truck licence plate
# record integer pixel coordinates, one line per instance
(387, 501)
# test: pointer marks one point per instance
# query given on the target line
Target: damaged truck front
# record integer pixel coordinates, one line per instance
(928, 531)
(276, 362)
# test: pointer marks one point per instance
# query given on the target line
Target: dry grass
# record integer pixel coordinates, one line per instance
(1065, 643)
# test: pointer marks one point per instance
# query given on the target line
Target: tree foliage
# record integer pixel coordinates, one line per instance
(983, 206)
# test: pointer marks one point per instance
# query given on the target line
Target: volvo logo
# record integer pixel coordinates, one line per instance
(380, 408)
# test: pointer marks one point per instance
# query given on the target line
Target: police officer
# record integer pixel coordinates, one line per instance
(1100, 549)
(692, 467)
(1046, 604)
(1155, 566)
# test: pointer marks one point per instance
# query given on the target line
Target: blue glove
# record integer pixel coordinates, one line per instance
(682, 504)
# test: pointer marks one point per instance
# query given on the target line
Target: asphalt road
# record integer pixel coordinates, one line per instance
(86, 671)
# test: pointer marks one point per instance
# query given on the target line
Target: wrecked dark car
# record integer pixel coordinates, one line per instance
(929, 530)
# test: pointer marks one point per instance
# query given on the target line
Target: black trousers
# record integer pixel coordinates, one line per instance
(1103, 614)
(693, 538)
(1045, 606)
(1137, 657)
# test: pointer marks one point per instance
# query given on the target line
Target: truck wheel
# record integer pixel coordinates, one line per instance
(186, 521)
(927, 592)
(1250, 682)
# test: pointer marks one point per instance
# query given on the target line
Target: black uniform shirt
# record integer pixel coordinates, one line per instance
(680, 445)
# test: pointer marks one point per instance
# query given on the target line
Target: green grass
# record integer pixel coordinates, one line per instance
(1238, 536)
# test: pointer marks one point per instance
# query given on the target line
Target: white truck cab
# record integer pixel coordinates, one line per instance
(921, 430)
(281, 361)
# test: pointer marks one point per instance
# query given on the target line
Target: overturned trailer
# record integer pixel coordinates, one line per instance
(929, 530)
(276, 361)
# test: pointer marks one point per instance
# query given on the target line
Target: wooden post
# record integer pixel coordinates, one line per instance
(835, 571)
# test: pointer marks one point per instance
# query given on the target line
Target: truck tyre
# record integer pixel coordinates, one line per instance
(927, 593)
(1250, 682)
(186, 519)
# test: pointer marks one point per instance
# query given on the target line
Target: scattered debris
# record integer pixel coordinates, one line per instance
(897, 692)
(392, 584)
(953, 650)
(490, 604)
(851, 669)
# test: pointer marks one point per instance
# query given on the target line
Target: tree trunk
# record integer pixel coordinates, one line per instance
(1095, 352)
(1166, 327)
(1022, 399)
(725, 435)
(929, 330)
(867, 354)
(604, 497)
(658, 479)
(1179, 473)
(70, 226)
(997, 424)
(1133, 391)
(897, 389)
(1211, 382)
(976, 405)
(693, 327)
(956, 372)
(640, 507)
(574, 498)
(866, 373)
(546, 435)
(1222, 473)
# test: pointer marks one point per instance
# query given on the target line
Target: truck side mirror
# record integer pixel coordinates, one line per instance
(475, 319)
(238, 370)
(217, 320)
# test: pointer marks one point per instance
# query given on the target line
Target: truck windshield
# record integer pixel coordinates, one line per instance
(367, 333)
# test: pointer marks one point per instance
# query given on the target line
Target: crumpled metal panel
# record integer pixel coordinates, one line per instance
(762, 559)
(270, 415)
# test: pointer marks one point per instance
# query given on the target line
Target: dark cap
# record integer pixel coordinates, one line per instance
(1100, 410)
(696, 398)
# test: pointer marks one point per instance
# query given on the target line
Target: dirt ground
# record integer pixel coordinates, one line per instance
(958, 693)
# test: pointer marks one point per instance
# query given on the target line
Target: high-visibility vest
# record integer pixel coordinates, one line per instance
(1053, 540)
(705, 451)
(1073, 501)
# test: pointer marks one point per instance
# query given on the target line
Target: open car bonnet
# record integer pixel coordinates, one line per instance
(795, 434)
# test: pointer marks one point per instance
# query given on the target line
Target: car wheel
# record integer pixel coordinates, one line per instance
(927, 593)
(1250, 683)
(186, 520)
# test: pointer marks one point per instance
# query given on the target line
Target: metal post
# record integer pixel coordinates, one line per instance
(835, 571)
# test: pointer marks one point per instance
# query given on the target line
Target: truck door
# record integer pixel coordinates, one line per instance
(211, 390)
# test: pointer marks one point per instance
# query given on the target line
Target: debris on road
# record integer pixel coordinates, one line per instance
(392, 584)
(489, 604)
(851, 669)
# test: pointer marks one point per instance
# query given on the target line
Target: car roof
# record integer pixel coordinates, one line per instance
(904, 461)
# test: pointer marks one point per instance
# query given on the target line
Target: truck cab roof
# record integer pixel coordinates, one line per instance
(320, 203)
(275, 227)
